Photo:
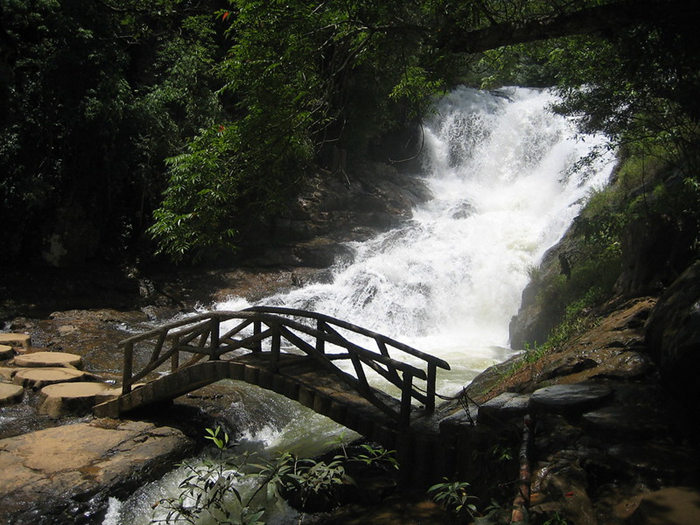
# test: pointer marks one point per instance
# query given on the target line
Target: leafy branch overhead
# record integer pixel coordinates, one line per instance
(305, 77)
(245, 97)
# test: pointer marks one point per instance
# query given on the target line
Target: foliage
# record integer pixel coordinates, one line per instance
(213, 489)
(453, 496)
(95, 95)
(206, 491)
(304, 478)
(99, 93)
(301, 78)
(377, 456)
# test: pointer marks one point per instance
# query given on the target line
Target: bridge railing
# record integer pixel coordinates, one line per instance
(264, 330)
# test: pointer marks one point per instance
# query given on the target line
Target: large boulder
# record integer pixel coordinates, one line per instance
(65, 474)
(673, 336)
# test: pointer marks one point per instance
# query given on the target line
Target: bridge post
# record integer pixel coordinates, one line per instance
(257, 330)
(406, 395)
(275, 343)
(320, 341)
(175, 359)
(430, 388)
(214, 335)
(128, 367)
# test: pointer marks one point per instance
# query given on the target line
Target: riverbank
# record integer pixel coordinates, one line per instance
(607, 463)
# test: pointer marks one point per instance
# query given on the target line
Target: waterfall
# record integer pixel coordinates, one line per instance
(500, 169)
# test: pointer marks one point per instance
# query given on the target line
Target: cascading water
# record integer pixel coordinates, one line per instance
(500, 169)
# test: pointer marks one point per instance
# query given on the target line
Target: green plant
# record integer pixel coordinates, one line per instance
(453, 496)
(209, 492)
(304, 482)
(556, 519)
(377, 456)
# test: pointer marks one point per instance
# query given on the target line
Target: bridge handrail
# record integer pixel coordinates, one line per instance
(355, 328)
(206, 328)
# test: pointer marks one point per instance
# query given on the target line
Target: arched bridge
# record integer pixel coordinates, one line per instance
(322, 362)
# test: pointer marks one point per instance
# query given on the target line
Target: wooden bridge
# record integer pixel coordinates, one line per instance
(322, 362)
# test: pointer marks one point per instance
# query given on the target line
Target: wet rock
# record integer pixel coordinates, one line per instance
(570, 398)
(621, 421)
(674, 463)
(673, 336)
(54, 476)
(503, 408)
(674, 505)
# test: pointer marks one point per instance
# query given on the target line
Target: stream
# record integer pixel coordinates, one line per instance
(500, 167)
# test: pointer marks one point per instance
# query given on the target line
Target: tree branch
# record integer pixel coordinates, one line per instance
(609, 17)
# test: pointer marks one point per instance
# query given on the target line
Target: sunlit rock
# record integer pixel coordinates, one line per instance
(49, 359)
(10, 394)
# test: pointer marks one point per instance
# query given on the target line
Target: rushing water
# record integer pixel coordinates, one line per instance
(500, 169)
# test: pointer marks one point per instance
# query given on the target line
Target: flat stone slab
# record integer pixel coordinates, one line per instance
(22, 340)
(10, 394)
(62, 399)
(504, 407)
(570, 398)
(625, 421)
(39, 377)
(49, 359)
(46, 475)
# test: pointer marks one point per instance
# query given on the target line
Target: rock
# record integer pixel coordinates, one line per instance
(503, 408)
(673, 336)
(622, 421)
(39, 377)
(676, 505)
(570, 398)
(49, 359)
(76, 399)
(22, 340)
(62, 475)
(10, 394)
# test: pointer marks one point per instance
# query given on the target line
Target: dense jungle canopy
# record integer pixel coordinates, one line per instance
(129, 127)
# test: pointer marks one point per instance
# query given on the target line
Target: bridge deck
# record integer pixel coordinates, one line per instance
(299, 378)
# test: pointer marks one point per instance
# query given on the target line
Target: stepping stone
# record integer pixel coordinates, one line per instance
(76, 399)
(10, 394)
(49, 359)
(7, 373)
(577, 397)
(39, 377)
(20, 340)
(6, 352)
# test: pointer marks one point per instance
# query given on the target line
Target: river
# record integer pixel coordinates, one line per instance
(500, 167)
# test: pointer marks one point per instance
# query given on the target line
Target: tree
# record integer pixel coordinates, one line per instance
(95, 95)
